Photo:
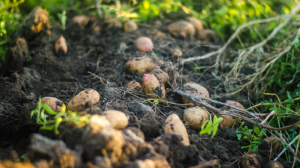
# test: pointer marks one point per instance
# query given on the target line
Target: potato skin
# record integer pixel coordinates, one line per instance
(118, 119)
(134, 85)
(141, 65)
(195, 117)
(182, 27)
(205, 35)
(54, 103)
(274, 164)
(152, 87)
(250, 160)
(130, 25)
(196, 23)
(81, 20)
(227, 121)
(144, 44)
(61, 44)
(78, 101)
(173, 124)
(161, 75)
(234, 103)
(194, 90)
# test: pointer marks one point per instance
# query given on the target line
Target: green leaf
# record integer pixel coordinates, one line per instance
(256, 130)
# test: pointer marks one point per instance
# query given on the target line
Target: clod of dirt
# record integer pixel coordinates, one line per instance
(150, 127)
(195, 117)
(144, 44)
(140, 109)
(250, 160)
(222, 152)
(61, 47)
(75, 31)
(134, 85)
(16, 57)
(30, 75)
(206, 35)
(78, 102)
(130, 25)
(111, 93)
(81, 20)
(270, 146)
(196, 23)
(52, 150)
(182, 28)
(228, 133)
(234, 103)
(36, 22)
(274, 164)
(194, 89)
(53, 102)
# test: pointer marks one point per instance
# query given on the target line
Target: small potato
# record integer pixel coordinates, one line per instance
(161, 75)
(61, 44)
(205, 35)
(134, 85)
(118, 119)
(194, 90)
(227, 121)
(54, 103)
(77, 103)
(195, 117)
(173, 124)
(130, 25)
(234, 103)
(144, 44)
(141, 64)
(177, 53)
(271, 144)
(81, 20)
(274, 164)
(250, 160)
(152, 87)
(183, 28)
(196, 23)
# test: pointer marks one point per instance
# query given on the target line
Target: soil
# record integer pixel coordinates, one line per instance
(98, 62)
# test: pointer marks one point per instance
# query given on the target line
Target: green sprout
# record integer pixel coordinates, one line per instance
(63, 18)
(210, 126)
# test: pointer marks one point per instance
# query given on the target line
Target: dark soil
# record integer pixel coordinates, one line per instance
(98, 62)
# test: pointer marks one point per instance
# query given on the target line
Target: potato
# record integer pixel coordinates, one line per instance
(54, 103)
(183, 28)
(270, 144)
(195, 117)
(194, 90)
(177, 53)
(274, 164)
(78, 102)
(173, 124)
(61, 44)
(118, 119)
(129, 25)
(234, 103)
(98, 122)
(227, 121)
(152, 87)
(196, 23)
(205, 35)
(161, 75)
(81, 20)
(144, 44)
(141, 64)
(134, 85)
(250, 160)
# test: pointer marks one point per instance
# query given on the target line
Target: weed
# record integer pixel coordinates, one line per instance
(211, 126)
(63, 18)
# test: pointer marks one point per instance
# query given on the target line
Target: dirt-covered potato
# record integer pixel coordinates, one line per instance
(270, 144)
(177, 53)
(196, 23)
(54, 103)
(195, 117)
(250, 160)
(205, 35)
(142, 64)
(173, 124)
(61, 44)
(194, 89)
(144, 44)
(274, 164)
(183, 28)
(129, 25)
(134, 85)
(78, 102)
(81, 20)
(152, 87)
(234, 103)
(227, 121)
(161, 75)
(118, 119)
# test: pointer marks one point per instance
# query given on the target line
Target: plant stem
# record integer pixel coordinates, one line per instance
(270, 104)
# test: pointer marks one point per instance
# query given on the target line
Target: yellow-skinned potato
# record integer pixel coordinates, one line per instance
(61, 44)
(54, 103)
(227, 121)
(274, 164)
(205, 35)
(129, 25)
(196, 23)
(134, 85)
(152, 87)
(183, 28)
(78, 102)
(144, 44)
(161, 75)
(118, 119)
(173, 124)
(250, 160)
(195, 117)
(141, 65)
(194, 90)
